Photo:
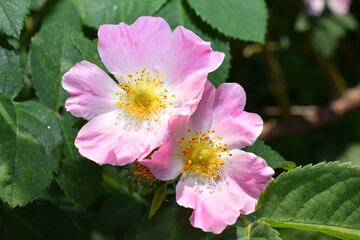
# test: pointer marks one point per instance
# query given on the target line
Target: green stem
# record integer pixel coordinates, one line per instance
(244, 220)
(277, 81)
(336, 80)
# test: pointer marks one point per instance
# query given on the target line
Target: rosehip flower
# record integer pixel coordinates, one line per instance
(161, 74)
(218, 180)
(316, 7)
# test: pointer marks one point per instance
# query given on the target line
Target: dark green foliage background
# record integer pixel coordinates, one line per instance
(49, 191)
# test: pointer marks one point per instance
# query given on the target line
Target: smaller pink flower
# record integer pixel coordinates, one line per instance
(218, 180)
(316, 7)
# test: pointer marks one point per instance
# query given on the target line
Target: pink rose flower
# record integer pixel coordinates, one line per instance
(218, 180)
(161, 75)
(316, 7)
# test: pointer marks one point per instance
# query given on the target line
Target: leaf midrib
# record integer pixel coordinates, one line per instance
(311, 226)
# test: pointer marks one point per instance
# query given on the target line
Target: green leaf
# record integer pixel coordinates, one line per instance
(12, 16)
(158, 199)
(241, 19)
(175, 13)
(117, 206)
(258, 230)
(29, 143)
(347, 21)
(328, 29)
(95, 13)
(170, 222)
(52, 53)
(273, 158)
(64, 11)
(78, 177)
(351, 154)
(323, 198)
(11, 79)
(87, 50)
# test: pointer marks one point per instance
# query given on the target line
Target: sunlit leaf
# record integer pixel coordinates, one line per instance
(324, 198)
(29, 143)
(241, 19)
(95, 13)
(52, 53)
(79, 178)
(11, 79)
(12, 16)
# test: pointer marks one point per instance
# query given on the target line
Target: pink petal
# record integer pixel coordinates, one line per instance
(163, 130)
(109, 139)
(339, 6)
(166, 163)
(216, 204)
(315, 7)
(127, 49)
(201, 119)
(182, 57)
(250, 172)
(237, 127)
(191, 60)
(93, 91)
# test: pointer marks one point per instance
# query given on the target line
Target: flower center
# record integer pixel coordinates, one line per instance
(203, 154)
(144, 96)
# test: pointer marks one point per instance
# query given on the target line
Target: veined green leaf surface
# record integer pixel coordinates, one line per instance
(79, 178)
(49, 64)
(29, 143)
(323, 197)
(257, 231)
(95, 13)
(12, 16)
(11, 79)
(241, 19)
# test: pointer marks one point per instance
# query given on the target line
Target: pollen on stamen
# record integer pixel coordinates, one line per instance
(144, 176)
(144, 96)
(203, 155)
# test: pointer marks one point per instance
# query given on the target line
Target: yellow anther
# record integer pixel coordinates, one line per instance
(203, 155)
(143, 97)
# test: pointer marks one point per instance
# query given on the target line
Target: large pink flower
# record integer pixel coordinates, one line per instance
(161, 74)
(218, 180)
(316, 7)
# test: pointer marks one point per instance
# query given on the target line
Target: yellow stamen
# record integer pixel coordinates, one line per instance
(144, 96)
(143, 175)
(203, 154)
